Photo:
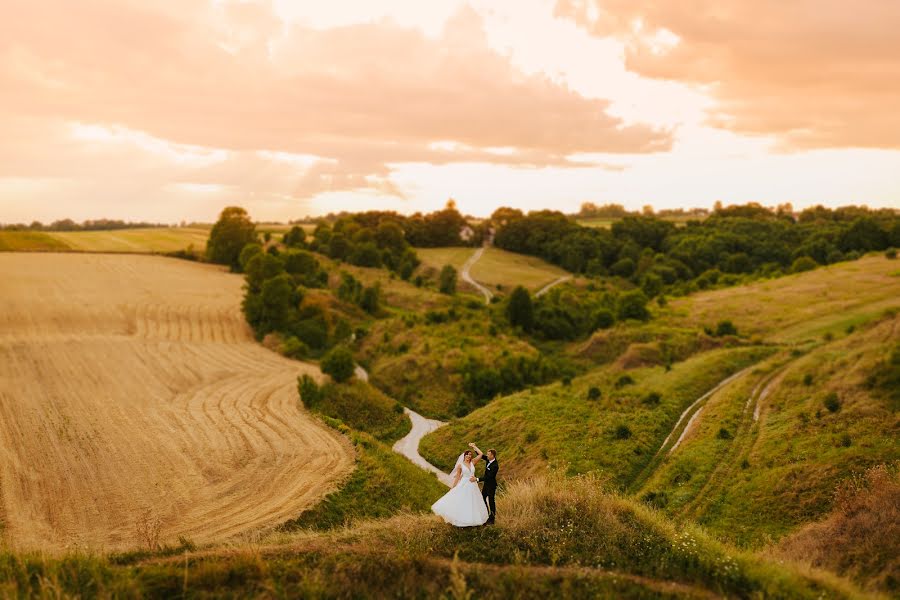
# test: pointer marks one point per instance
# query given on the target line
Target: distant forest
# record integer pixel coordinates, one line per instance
(89, 225)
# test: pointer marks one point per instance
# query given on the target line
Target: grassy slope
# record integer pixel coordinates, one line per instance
(798, 450)
(798, 307)
(557, 539)
(557, 425)
(502, 270)
(30, 241)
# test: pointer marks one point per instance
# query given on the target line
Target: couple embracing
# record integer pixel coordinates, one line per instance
(465, 505)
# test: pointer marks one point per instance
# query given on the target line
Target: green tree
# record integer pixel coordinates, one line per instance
(295, 238)
(633, 305)
(338, 363)
(229, 235)
(248, 252)
(520, 310)
(371, 299)
(447, 280)
(261, 267)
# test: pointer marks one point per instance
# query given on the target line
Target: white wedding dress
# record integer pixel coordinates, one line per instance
(463, 505)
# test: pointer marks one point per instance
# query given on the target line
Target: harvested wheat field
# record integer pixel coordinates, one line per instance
(134, 399)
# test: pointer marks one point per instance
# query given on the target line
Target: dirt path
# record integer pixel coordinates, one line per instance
(551, 285)
(133, 394)
(409, 445)
(467, 276)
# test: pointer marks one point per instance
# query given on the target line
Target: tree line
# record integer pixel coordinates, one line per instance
(658, 256)
(88, 225)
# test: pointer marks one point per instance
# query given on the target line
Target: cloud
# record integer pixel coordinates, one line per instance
(815, 73)
(232, 77)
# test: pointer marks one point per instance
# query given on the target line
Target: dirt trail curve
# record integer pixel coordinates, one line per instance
(467, 276)
(552, 285)
(133, 393)
(409, 445)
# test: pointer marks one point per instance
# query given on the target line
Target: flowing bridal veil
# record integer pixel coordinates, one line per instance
(463, 505)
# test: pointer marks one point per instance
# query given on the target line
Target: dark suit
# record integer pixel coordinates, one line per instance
(490, 486)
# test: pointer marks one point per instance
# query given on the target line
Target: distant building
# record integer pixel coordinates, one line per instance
(466, 233)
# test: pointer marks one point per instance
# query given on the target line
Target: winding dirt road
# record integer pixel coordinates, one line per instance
(467, 275)
(132, 392)
(408, 446)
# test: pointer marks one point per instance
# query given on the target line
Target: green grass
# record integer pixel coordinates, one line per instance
(796, 308)
(555, 538)
(162, 239)
(30, 241)
(383, 484)
(364, 408)
(557, 426)
(501, 270)
(798, 450)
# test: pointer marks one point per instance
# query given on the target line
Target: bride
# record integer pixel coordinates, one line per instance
(463, 505)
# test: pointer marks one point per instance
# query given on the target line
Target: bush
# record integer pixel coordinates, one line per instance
(623, 381)
(633, 305)
(725, 328)
(832, 402)
(622, 432)
(724, 434)
(652, 399)
(294, 348)
(891, 253)
(593, 393)
(309, 391)
(447, 280)
(338, 363)
(604, 319)
(807, 379)
(803, 263)
(519, 309)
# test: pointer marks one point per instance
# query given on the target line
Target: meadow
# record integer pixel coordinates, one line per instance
(498, 270)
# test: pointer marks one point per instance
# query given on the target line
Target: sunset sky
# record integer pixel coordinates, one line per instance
(168, 110)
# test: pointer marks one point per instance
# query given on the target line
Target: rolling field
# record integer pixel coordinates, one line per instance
(798, 307)
(150, 240)
(135, 401)
(496, 269)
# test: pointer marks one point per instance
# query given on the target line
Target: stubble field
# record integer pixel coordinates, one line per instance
(135, 402)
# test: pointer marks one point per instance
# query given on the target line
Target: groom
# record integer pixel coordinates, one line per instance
(489, 489)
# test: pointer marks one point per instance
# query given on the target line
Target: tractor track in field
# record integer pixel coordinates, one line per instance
(139, 397)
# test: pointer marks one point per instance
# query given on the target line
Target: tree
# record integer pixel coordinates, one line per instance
(261, 267)
(295, 238)
(520, 310)
(633, 305)
(370, 300)
(338, 363)
(248, 252)
(229, 235)
(447, 280)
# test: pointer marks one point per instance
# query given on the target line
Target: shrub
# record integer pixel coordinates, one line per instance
(567, 380)
(338, 363)
(370, 300)
(724, 434)
(294, 348)
(531, 437)
(725, 328)
(623, 381)
(803, 263)
(604, 319)
(622, 432)
(447, 280)
(633, 305)
(807, 379)
(846, 440)
(519, 309)
(593, 393)
(891, 253)
(308, 390)
(832, 402)
(652, 399)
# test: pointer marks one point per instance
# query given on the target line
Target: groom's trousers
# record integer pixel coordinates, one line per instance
(488, 493)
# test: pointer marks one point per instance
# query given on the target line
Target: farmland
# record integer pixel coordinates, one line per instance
(138, 404)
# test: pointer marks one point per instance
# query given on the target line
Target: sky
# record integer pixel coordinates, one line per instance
(169, 110)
